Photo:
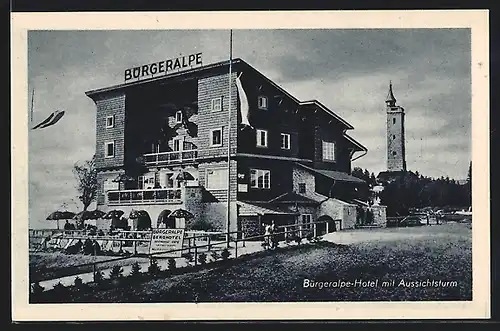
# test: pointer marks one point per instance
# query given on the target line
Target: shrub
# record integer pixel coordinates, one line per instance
(201, 224)
(98, 277)
(310, 236)
(189, 258)
(171, 264)
(154, 268)
(225, 254)
(37, 289)
(136, 270)
(60, 290)
(116, 272)
(78, 282)
(215, 255)
(202, 258)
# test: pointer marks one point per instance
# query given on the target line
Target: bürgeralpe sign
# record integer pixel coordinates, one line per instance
(163, 67)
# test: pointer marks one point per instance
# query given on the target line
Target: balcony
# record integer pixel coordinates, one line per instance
(144, 196)
(167, 158)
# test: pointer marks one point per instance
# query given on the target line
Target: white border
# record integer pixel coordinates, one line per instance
(477, 20)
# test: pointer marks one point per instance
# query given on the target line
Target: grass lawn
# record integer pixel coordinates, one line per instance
(43, 266)
(443, 253)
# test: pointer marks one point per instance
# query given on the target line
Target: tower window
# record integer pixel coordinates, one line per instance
(393, 121)
(393, 153)
(393, 136)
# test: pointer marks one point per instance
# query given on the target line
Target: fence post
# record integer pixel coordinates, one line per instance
(195, 254)
(314, 230)
(327, 230)
(236, 247)
(243, 239)
(208, 242)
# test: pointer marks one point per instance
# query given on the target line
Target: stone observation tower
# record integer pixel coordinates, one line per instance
(396, 160)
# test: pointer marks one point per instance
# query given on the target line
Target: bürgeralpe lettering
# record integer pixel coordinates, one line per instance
(163, 67)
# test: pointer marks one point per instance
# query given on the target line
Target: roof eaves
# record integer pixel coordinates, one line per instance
(162, 77)
(329, 111)
(356, 143)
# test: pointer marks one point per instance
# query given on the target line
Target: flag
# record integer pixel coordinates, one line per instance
(244, 106)
(51, 120)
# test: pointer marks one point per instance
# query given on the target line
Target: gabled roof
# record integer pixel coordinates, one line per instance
(335, 175)
(251, 209)
(292, 197)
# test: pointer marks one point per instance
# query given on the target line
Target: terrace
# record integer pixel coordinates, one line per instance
(169, 158)
(144, 196)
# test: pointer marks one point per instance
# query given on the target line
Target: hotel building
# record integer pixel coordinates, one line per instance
(162, 143)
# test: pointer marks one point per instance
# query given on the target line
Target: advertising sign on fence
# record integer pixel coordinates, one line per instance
(166, 239)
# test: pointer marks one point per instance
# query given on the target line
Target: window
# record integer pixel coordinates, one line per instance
(305, 219)
(394, 153)
(216, 104)
(110, 121)
(260, 178)
(393, 136)
(302, 187)
(169, 180)
(262, 102)
(216, 138)
(216, 179)
(178, 117)
(109, 149)
(285, 141)
(177, 144)
(393, 121)
(261, 138)
(328, 151)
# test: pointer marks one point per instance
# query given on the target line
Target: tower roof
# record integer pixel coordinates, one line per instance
(390, 96)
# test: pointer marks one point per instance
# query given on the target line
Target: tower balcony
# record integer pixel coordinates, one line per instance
(170, 158)
(144, 196)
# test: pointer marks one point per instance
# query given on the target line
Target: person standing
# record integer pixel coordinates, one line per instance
(267, 236)
(274, 237)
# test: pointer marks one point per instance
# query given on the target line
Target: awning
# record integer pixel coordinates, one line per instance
(335, 175)
(248, 209)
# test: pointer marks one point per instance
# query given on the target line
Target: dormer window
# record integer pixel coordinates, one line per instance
(178, 117)
(262, 102)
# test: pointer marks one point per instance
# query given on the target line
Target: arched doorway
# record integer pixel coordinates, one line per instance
(321, 227)
(164, 221)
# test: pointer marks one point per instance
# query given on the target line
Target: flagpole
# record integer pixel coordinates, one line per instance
(31, 110)
(229, 139)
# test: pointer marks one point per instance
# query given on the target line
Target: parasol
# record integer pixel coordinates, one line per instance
(114, 214)
(89, 215)
(60, 215)
(184, 175)
(181, 213)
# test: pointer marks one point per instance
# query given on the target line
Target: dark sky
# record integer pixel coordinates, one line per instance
(347, 70)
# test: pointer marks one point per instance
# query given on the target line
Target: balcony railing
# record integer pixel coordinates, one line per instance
(170, 157)
(164, 195)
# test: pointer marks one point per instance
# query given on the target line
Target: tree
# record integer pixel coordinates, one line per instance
(86, 176)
